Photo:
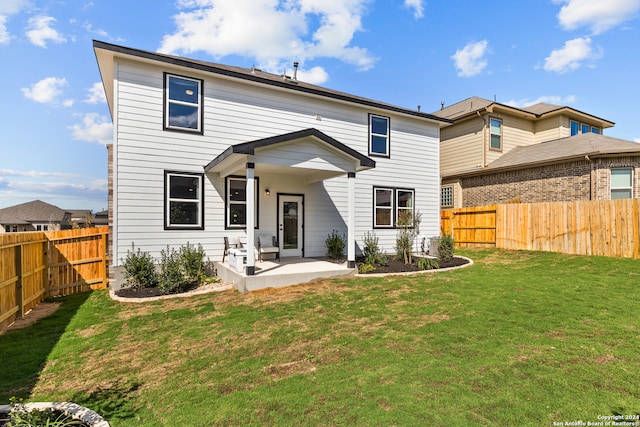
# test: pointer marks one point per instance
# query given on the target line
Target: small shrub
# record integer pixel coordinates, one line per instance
(445, 248)
(139, 270)
(20, 416)
(408, 225)
(193, 263)
(371, 251)
(365, 267)
(171, 279)
(427, 263)
(335, 245)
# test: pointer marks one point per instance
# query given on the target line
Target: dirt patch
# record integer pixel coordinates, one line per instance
(38, 312)
(285, 370)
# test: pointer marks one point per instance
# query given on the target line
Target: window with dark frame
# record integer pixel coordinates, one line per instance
(379, 129)
(236, 202)
(184, 201)
(183, 103)
(390, 203)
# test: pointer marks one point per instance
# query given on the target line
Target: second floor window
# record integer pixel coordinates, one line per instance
(495, 126)
(378, 135)
(183, 104)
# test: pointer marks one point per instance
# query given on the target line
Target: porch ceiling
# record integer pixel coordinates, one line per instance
(308, 153)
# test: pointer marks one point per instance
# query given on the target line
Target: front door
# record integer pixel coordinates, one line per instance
(290, 218)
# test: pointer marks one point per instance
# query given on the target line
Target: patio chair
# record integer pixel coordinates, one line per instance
(268, 244)
(230, 245)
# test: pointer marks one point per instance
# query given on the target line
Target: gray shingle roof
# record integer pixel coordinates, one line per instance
(557, 151)
(31, 212)
(471, 105)
(578, 146)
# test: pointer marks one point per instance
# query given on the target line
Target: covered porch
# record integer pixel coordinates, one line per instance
(284, 197)
(286, 272)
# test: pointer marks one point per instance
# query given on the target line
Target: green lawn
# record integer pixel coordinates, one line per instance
(520, 338)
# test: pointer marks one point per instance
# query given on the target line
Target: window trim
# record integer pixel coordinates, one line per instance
(491, 147)
(166, 102)
(629, 188)
(446, 187)
(387, 136)
(167, 201)
(394, 205)
(227, 215)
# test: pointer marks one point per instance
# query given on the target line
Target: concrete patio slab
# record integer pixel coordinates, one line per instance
(287, 272)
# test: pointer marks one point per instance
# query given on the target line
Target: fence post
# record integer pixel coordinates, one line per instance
(105, 266)
(46, 282)
(19, 273)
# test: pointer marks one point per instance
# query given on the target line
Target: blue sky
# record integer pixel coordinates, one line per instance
(55, 123)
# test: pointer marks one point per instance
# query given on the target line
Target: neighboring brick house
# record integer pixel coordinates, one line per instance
(581, 167)
(33, 216)
(483, 158)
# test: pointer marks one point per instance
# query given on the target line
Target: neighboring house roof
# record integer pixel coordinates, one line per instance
(79, 213)
(106, 52)
(472, 106)
(36, 211)
(589, 145)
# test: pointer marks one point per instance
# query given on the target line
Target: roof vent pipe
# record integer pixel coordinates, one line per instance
(295, 70)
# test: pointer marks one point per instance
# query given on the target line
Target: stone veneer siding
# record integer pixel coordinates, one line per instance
(570, 181)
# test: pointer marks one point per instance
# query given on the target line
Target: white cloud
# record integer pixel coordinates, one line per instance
(571, 56)
(598, 15)
(8, 8)
(556, 100)
(94, 128)
(275, 33)
(99, 32)
(417, 6)
(37, 174)
(96, 94)
(5, 37)
(46, 90)
(40, 31)
(471, 59)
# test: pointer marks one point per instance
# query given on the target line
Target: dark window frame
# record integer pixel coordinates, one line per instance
(227, 225)
(167, 201)
(166, 102)
(371, 135)
(394, 206)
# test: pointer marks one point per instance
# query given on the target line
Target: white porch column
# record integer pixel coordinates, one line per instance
(351, 221)
(251, 219)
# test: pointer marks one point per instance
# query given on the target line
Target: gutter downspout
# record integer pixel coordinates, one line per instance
(591, 177)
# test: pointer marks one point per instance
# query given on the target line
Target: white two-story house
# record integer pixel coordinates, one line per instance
(203, 151)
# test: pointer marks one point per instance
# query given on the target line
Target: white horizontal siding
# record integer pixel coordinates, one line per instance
(236, 113)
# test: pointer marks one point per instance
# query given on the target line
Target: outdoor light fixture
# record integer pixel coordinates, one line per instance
(267, 192)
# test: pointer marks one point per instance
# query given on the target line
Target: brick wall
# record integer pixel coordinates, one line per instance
(577, 180)
(552, 183)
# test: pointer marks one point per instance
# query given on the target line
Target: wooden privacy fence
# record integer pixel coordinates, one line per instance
(36, 265)
(599, 227)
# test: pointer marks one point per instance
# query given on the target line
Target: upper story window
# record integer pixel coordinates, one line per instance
(237, 202)
(184, 201)
(183, 103)
(446, 197)
(621, 183)
(379, 135)
(495, 126)
(578, 128)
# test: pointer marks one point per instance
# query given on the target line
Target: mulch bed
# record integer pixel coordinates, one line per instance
(150, 292)
(397, 266)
